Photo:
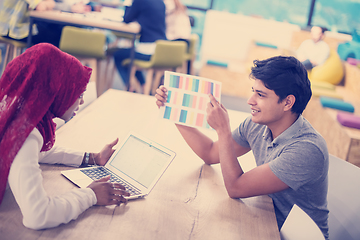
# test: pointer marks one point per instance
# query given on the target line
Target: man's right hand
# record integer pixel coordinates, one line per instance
(161, 96)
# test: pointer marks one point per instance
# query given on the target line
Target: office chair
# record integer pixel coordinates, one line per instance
(168, 55)
(13, 49)
(90, 48)
(299, 226)
(343, 200)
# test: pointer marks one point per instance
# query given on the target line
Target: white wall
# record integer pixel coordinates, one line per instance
(227, 36)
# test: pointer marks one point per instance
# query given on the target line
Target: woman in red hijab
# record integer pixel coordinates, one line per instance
(41, 84)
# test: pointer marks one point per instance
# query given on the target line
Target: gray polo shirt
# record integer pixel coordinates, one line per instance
(299, 158)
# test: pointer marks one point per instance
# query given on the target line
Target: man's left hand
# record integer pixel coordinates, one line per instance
(217, 115)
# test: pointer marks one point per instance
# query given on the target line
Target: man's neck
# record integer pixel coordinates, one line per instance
(283, 124)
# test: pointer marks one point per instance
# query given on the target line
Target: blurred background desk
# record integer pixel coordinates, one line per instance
(189, 201)
(91, 19)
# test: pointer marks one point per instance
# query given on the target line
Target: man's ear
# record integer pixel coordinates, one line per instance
(289, 102)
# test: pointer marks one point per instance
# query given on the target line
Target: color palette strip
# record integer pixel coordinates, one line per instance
(195, 85)
(187, 99)
(188, 117)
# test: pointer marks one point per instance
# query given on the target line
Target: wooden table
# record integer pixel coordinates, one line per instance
(189, 201)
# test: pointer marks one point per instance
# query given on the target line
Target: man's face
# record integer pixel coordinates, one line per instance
(316, 34)
(265, 106)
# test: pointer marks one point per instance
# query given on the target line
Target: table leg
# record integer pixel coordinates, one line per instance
(132, 56)
(30, 32)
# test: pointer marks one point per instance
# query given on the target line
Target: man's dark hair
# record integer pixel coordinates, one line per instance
(323, 29)
(285, 76)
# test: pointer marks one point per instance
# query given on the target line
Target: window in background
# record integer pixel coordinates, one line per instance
(292, 11)
(337, 15)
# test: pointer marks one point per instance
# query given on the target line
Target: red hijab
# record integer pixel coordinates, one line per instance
(40, 84)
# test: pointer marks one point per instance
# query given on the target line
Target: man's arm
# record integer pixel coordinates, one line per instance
(132, 11)
(202, 145)
(258, 181)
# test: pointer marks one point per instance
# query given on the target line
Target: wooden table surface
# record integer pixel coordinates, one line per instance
(89, 20)
(189, 201)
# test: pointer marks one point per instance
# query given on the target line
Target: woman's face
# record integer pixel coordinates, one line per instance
(75, 107)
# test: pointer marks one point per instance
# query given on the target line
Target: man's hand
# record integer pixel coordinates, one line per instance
(161, 96)
(45, 5)
(108, 193)
(217, 116)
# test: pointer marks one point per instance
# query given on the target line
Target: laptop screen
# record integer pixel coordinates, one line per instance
(140, 160)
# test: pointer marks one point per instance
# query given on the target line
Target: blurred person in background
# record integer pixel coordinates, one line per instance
(177, 21)
(314, 52)
(150, 14)
(14, 19)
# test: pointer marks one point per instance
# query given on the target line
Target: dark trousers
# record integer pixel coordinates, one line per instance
(47, 32)
(124, 53)
(308, 65)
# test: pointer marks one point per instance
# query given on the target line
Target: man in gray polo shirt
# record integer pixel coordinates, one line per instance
(292, 158)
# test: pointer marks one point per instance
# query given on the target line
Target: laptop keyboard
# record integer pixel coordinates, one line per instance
(100, 172)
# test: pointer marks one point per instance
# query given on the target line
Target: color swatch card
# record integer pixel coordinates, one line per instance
(187, 98)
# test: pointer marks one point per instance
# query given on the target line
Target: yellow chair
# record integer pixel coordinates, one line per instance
(90, 48)
(191, 53)
(331, 71)
(13, 49)
(168, 55)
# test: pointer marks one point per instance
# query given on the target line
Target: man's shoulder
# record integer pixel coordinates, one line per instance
(307, 134)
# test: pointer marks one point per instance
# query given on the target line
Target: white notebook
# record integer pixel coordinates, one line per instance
(138, 163)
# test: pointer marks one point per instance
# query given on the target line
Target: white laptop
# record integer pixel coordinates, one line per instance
(138, 163)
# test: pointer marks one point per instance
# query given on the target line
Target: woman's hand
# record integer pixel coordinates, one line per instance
(104, 155)
(161, 96)
(108, 193)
